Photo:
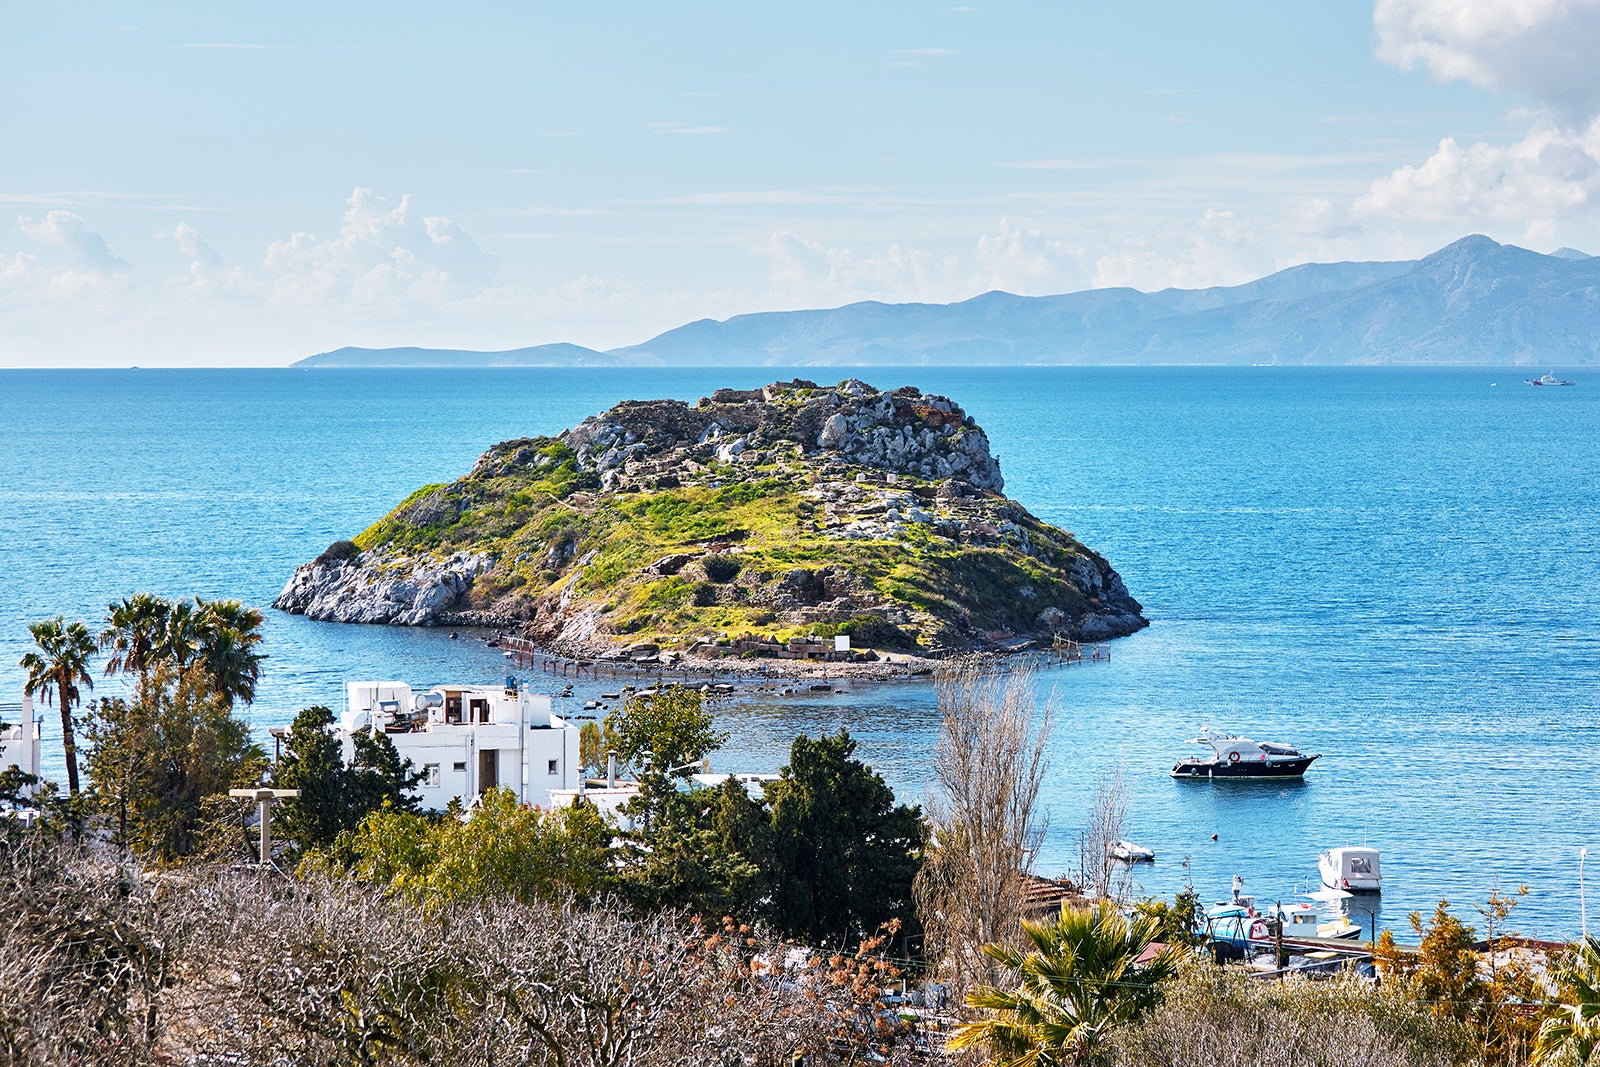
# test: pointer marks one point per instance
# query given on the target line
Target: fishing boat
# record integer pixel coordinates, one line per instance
(1548, 379)
(1240, 757)
(1303, 920)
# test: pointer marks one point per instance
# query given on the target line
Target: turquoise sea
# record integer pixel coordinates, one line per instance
(1398, 568)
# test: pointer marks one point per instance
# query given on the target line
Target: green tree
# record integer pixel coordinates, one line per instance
(56, 671)
(312, 761)
(380, 776)
(1179, 922)
(1078, 982)
(504, 849)
(335, 797)
(156, 760)
(842, 853)
(134, 633)
(227, 638)
(669, 730)
(695, 850)
(180, 638)
(1570, 1030)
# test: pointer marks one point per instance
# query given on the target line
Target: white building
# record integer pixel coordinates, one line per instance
(467, 739)
(19, 741)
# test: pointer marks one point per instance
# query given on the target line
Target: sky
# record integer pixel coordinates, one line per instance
(249, 183)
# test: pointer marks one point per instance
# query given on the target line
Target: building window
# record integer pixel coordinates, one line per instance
(430, 774)
(553, 764)
(461, 767)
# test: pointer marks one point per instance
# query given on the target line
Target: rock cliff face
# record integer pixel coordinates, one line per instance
(789, 509)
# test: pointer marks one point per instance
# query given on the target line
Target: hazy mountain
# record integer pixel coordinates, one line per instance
(556, 355)
(1475, 301)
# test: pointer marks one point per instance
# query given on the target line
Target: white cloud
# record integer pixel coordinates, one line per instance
(807, 273)
(1549, 175)
(1220, 248)
(684, 128)
(1544, 48)
(382, 258)
(1021, 260)
(64, 260)
(79, 247)
(236, 46)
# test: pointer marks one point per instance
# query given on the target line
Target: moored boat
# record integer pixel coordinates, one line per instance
(1240, 757)
(1353, 869)
(1303, 920)
(1128, 852)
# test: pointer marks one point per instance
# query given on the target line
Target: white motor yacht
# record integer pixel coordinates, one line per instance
(1548, 379)
(1240, 757)
(1355, 870)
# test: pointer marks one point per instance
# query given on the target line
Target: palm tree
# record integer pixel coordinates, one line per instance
(135, 631)
(180, 638)
(1570, 1032)
(1080, 979)
(227, 634)
(57, 669)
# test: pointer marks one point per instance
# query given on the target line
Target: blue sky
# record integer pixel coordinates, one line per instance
(251, 183)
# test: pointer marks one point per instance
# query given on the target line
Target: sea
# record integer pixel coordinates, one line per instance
(1395, 568)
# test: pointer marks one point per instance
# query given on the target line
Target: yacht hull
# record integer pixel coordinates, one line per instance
(1219, 769)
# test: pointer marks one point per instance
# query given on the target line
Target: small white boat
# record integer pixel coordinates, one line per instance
(1128, 852)
(1303, 920)
(1355, 870)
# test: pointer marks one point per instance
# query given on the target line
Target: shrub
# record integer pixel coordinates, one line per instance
(339, 552)
(721, 568)
(1213, 1016)
(704, 595)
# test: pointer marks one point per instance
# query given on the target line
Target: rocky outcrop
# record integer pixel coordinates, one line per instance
(903, 431)
(378, 587)
(790, 510)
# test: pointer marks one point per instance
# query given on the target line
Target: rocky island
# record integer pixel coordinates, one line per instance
(753, 520)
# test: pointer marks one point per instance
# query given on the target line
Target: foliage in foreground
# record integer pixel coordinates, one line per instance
(159, 761)
(1492, 995)
(1570, 1030)
(1218, 1017)
(1078, 982)
(101, 963)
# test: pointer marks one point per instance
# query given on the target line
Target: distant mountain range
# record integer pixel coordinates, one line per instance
(1474, 301)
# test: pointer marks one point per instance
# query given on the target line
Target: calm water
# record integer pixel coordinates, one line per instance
(1397, 568)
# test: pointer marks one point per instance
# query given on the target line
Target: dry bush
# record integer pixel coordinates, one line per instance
(1213, 1017)
(988, 766)
(1102, 876)
(103, 964)
(85, 953)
